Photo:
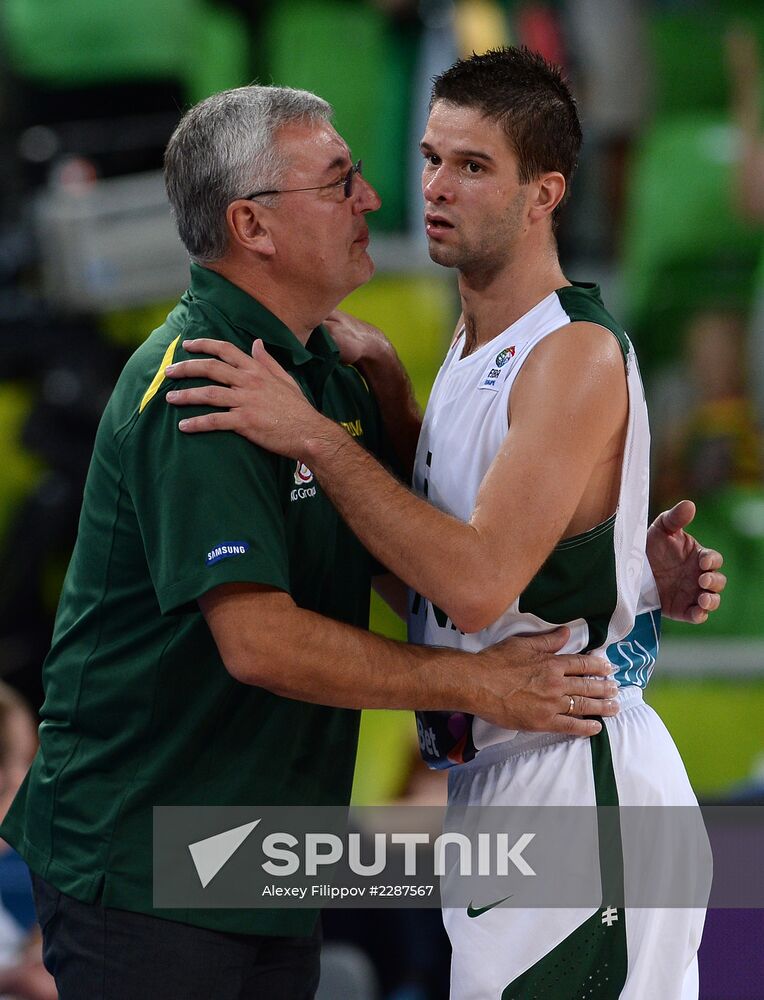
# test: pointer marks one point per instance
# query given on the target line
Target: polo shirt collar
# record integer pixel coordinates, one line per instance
(253, 319)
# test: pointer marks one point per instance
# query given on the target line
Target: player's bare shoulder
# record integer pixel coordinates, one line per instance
(579, 371)
(580, 346)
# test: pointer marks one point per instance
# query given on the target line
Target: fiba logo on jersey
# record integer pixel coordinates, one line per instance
(492, 375)
(302, 474)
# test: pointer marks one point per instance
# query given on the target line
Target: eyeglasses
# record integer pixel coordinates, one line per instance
(346, 183)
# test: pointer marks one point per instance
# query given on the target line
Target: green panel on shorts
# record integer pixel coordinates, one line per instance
(591, 963)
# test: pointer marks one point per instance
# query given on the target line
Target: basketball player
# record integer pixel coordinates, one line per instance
(533, 459)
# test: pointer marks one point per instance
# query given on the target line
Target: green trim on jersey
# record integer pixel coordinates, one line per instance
(592, 961)
(603, 528)
(578, 580)
(139, 708)
(582, 301)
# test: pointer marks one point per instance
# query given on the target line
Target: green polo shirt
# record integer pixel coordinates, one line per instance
(139, 709)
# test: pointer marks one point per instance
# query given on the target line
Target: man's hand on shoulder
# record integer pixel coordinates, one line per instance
(357, 340)
(262, 401)
(687, 574)
(367, 348)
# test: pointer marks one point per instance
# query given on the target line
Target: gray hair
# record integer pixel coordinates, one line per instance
(224, 148)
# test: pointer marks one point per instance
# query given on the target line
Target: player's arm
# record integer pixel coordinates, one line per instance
(367, 348)
(472, 570)
(265, 639)
(267, 407)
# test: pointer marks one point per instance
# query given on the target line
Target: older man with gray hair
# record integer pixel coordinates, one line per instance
(209, 646)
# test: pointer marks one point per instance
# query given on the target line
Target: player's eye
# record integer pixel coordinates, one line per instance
(432, 158)
(473, 168)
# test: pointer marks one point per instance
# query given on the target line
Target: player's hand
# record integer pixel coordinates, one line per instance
(358, 341)
(525, 683)
(256, 397)
(29, 980)
(688, 577)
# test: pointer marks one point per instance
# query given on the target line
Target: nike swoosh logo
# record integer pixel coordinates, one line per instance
(476, 911)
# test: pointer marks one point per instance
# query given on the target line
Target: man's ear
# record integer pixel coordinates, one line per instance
(549, 192)
(248, 227)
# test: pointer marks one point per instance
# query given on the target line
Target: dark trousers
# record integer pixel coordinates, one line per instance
(97, 953)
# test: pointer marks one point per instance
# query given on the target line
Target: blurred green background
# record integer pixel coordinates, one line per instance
(89, 91)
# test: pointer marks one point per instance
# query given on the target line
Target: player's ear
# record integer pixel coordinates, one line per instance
(549, 192)
(249, 226)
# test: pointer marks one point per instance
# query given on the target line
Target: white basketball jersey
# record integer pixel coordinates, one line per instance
(598, 583)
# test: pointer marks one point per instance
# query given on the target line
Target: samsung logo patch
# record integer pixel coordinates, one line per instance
(225, 551)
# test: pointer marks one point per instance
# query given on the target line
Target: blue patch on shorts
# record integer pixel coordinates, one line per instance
(635, 655)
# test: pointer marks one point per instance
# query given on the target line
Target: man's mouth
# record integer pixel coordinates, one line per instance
(362, 239)
(436, 225)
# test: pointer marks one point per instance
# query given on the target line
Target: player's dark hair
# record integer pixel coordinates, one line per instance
(528, 97)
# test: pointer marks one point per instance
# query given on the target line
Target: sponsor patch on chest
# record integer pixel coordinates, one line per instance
(497, 370)
(304, 485)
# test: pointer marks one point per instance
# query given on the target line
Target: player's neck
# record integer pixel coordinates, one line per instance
(490, 307)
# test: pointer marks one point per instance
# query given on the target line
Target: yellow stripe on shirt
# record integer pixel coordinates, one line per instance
(360, 376)
(153, 389)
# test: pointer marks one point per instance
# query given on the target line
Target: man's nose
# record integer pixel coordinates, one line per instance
(436, 185)
(365, 197)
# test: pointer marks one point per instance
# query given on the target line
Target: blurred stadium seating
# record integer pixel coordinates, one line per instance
(371, 96)
(684, 245)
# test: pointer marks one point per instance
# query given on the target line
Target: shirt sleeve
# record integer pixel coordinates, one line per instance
(208, 506)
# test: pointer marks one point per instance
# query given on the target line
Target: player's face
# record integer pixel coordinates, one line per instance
(322, 236)
(475, 206)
